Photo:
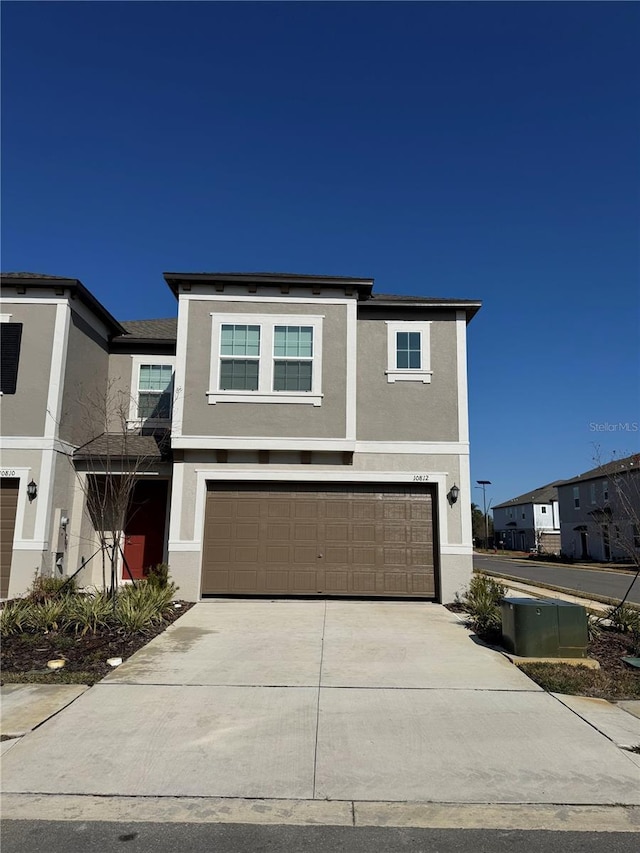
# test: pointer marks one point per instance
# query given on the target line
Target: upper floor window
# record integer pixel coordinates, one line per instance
(10, 337)
(293, 358)
(273, 358)
(592, 492)
(240, 374)
(605, 490)
(408, 351)
(576, 497)
(154, 391)
(151, 389)
(543, 509)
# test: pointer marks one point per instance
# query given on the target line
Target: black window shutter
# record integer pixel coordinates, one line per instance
(10, 336)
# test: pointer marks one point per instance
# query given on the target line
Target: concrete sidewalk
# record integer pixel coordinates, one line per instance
(315, 700)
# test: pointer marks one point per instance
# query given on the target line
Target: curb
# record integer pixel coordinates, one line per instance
(560, 817)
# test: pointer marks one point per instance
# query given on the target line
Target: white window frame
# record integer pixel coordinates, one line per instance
(408, 374)
(576, 497)
(265, 392)
(137, 361)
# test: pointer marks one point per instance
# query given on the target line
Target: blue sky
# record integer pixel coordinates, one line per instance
(472, 150)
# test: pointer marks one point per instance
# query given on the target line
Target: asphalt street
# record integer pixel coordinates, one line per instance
(611, 584)
(65, 836)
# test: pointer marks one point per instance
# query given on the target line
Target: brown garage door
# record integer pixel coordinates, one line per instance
(8, 504)
(298, 539)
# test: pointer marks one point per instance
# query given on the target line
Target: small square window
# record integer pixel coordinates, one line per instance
(543, 509)
(408, 351)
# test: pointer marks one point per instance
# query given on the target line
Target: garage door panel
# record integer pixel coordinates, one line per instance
(244, 581)
(318, 539)
(306, 509)
(278, 554)
(395, 582)
(304, 556)
(305, 581)
(305, 532)
(336, 582)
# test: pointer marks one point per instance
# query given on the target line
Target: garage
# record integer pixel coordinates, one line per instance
(8, 503)
(362, 539)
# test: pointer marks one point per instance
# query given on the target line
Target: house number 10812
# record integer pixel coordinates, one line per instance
(420, 478)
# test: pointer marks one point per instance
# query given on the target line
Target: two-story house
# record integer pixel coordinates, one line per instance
(530, 521)
(600, 512)
(318, 437)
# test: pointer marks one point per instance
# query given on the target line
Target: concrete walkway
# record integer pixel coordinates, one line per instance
(323, 700)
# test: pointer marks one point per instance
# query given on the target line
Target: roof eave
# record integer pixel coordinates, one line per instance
(77, 289)
(363, 286)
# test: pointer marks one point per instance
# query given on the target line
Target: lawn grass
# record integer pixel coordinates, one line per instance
(582, 681)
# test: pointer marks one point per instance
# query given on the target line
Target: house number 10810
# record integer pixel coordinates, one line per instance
(420, 478)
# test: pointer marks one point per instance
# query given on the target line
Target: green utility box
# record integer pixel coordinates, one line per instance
(532, 628)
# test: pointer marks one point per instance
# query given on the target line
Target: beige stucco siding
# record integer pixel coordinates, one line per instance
(85, 380)
(275, 419)
(407, 411)
(23, 413)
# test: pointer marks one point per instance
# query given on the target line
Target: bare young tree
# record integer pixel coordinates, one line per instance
(108, 464)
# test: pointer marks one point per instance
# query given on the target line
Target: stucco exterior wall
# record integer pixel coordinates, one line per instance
(23, 413)
(85, 380)
(407, 411)
(273, 419)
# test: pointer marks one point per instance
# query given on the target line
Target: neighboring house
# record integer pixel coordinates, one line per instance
(600, 512)
(301, 436)
(529, 522)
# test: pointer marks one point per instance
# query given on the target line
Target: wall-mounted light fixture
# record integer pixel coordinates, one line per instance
(32, 491)
(453, 494)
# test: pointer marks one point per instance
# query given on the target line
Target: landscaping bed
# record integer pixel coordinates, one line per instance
(610, 640)
(83, 629)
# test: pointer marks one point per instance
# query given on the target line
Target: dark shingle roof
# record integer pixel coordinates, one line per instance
(165, 329)
(543, 495)
(37, 276)
(616, 466)
(119, 446)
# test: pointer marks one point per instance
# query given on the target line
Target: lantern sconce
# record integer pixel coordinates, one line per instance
(453, 494)
(32, 491)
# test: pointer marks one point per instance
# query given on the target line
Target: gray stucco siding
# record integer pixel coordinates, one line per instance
(23, 413)
(275, 419)
(85, 380)
(407, 411)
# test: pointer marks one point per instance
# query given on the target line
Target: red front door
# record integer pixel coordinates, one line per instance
(144, 531)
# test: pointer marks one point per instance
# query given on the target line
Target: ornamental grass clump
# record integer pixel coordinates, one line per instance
(14, 617)
(88, 612)
(482, 600)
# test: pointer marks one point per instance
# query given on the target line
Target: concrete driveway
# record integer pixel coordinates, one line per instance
(322, 700)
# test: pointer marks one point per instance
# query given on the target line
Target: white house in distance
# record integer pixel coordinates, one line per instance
(530, 521)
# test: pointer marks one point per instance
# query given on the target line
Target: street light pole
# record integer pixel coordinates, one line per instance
(484, 484)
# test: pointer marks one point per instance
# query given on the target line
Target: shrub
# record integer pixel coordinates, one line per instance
(157, 575)
(46, 616)
(624, 618)
(88, 612)
(13, 617)
(482, 601)
(44, 589)
(140, 606)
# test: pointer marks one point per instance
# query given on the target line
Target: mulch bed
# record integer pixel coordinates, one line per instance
(24, 656)
(615, 680)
